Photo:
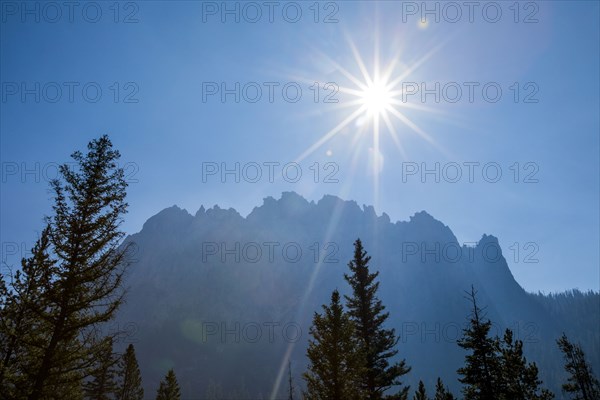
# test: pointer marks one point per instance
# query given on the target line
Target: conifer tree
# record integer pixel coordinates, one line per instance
(129, 378)
(70, 285)
(89, 203)
(102, 384)
(168, 388)
(376, 342)
(290, 382)
(482, 370)
(581, 383)
(494, 368)
(519, 378)
(333, 352)
(442, 392)
(421, 393)
(21, 330)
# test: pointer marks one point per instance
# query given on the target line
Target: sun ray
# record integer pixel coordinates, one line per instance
(376, 161)
(377, 98)
(347, 74)
(394, 134)
(412, 125)
(330, 134)
(416, 65)
(361, 64)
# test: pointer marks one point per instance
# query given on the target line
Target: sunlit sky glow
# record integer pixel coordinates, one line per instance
(370, 133)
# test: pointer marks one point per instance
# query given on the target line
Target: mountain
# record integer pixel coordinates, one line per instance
(225, 299)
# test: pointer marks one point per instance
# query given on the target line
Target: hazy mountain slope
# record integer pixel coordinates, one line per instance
(191, 285)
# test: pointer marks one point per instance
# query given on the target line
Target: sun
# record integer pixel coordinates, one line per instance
(374, 98)
(377, 98)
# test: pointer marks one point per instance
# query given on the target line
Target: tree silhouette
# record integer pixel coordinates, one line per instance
(377, 343)
(496, 369)
(335, 361)
(21, 329)
(581, 383)
(290, 383)
(102, 385)
(71, 284)
(519, 378)
(441, 391)
(168, 388)
(482, 370)
(129, 377)
(421, 393)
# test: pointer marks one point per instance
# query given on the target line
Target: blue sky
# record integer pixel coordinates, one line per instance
(162, 57)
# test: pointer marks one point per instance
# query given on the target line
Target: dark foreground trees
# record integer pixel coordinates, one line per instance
(70, 285)
(102, 384)
(350, 352)
(168, 388)
(129, 377)
(494, 368)
(336, 363)
(421, 393)
(581, 383)
(376, 342)
(442, 392)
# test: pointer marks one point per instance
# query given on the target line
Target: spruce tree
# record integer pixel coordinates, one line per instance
(482, 370)
(581, 383)
(290, 382)
(71, 283)
(89, 203)
(376, 342)
(494, 368)
(168, 388)
(421, 393)
(128, 377)
(442, 392)
(519, 378)
(333, 352)
(21, 329)
(102, 384)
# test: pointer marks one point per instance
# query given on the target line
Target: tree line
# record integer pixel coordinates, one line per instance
(351, 353)
(52, 308)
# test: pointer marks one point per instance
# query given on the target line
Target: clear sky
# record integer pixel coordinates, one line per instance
(152, 75)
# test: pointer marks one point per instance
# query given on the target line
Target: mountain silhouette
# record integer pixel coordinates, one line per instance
(225, 299)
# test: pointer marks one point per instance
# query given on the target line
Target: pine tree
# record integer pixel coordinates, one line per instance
(519, 378)
(168, 388)
(581, 383)
(21, 330)
(335, 362)
(442, 392)
(71, 283)
(377, 343)
(421, 393)
(84, 233)
(496, 369)
(482, 370)
(290, 383)
(129, 377)
(102, 385)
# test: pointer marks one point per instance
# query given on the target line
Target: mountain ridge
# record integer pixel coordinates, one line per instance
(217, 267)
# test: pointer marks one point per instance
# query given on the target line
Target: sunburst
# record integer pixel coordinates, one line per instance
(375, 98)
